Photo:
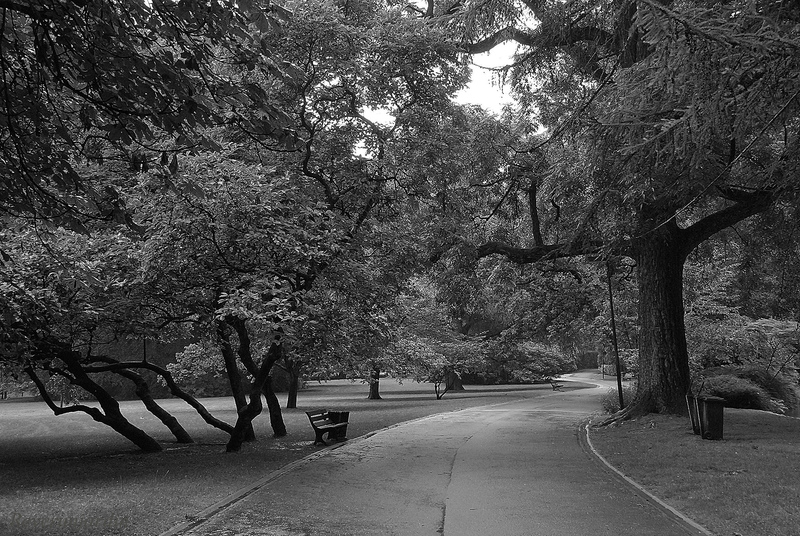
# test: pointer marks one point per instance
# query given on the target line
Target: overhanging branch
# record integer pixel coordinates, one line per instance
(537, 253)
(544, 39)
(748, 203)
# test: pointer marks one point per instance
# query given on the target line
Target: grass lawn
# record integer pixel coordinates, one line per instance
(67, 475)
(748, 484)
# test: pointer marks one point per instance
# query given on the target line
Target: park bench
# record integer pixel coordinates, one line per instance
(555, 385)
(333, 423)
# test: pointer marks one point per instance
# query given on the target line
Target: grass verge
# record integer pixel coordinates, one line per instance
(745, 485)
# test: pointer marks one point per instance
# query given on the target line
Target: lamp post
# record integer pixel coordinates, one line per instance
(614, 336)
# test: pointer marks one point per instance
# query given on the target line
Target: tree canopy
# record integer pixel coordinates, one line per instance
(665, 123)
(129, 81)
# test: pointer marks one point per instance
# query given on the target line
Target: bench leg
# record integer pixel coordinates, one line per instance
(318, 439)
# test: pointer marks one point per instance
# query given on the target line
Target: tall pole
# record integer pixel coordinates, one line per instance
(614, 336)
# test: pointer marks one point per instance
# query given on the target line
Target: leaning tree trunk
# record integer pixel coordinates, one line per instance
(274, 408)
(110, 415)
(663, 357)
(234, 377)
(166, 418)
(374, 385)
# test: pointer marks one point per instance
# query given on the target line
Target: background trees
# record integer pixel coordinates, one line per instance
(667, 123)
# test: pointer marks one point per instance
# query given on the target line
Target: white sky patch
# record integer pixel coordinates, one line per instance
(484, 89)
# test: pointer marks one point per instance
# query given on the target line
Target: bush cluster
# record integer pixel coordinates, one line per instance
(749, 388)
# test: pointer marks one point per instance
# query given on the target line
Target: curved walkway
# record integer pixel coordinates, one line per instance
(513, 469)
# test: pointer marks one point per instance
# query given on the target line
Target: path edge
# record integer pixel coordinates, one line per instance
(670, 511)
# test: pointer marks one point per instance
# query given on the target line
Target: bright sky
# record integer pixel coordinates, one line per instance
(484, 89)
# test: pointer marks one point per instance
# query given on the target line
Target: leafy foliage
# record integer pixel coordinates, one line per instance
(126, 80)
(749, 388)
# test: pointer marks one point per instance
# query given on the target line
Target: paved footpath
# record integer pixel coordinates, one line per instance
(514, 469)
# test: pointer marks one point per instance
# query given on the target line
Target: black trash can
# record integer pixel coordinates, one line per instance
(691, 403)
(711, 416)
(340, 434)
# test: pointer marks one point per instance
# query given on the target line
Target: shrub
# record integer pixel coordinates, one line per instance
(611, 398)
(777, 385)
(749, 388)
(737, 392)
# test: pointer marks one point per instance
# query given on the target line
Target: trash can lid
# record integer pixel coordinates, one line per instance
(711, 398)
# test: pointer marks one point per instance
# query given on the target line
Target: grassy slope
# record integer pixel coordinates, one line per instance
(747, 484)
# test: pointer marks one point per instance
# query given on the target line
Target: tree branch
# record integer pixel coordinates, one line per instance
(747, 203)
(536, 228)
(95, 413)
(542, 38)
(537, 253)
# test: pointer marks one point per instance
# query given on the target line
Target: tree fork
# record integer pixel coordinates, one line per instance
(232, 371)
(246, 357)
(254, 407)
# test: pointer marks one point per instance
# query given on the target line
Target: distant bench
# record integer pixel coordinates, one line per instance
(333, 423)
(555, 385)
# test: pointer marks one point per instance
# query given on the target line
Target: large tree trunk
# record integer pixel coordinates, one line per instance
(660, 250)
(274, 353)
(663, 358)
(115, 366)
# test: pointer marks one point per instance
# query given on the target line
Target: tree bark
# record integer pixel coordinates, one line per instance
(294, 386)
(293, 368)
(663, 357)
(274, 353)
(110, 416)
(274, 408)
(374, 385)
(115, 366)
(169, 420)
(234, 377)
(254, 407)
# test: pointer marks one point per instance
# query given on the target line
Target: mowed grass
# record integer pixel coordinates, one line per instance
(68, 475)
(747, 484)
